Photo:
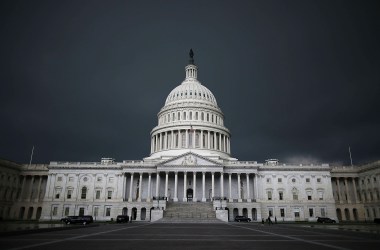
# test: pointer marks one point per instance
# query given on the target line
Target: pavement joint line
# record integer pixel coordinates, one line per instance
(294, 238)
(75, 237)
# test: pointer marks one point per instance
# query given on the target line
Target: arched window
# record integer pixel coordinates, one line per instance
(184, 116)
(196, 115)
(202, 116)
(83, 193)
(191, 115)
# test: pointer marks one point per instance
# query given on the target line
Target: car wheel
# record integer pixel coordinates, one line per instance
(84, 223)
(68, 223)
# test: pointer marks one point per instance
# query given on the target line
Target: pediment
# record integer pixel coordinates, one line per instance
(190, 159)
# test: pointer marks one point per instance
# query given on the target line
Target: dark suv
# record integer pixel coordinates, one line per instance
(325, 220)
(78, 219)
(122, 218)
(242, 218)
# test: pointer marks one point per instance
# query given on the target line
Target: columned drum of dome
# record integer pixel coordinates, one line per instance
(190, 121)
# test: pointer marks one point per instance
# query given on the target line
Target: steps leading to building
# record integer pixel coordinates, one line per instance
(192, 212)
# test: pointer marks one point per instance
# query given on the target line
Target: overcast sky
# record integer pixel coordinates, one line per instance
(296, 80)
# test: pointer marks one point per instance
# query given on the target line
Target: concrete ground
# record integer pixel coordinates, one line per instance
(195, 236)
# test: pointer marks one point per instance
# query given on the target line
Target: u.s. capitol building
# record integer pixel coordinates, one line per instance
(190, 173)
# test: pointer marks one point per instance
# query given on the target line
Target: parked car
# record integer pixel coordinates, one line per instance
(122, 218)
(325, 220)
(377, 220)
(242, 218)
(86, 219)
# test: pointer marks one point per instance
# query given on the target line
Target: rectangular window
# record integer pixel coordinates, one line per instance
(67, 210)
(55, 211)
(279, 180)
(57, 195)
(320, 196)
(69, 192)
(96, 211)
(99, 179)
(295, 196)
(282, 212)
(109, 195)
(84, 193)
(323, 212)
(97, 194)
(59, 178)
(319, 180)
(111, 179)
(270, 211)
(81, 211)
(309, 195)
(71, 179)
(281, 195)
(307, 179)
(268, 180)
(108, 211)
(269, 195)
(311, 212)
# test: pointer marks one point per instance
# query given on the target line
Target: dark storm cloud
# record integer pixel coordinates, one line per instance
(296, 80)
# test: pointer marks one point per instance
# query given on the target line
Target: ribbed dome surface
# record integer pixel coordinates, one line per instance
(191, 90)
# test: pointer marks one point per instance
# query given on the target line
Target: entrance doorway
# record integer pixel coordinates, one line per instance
(189, 194)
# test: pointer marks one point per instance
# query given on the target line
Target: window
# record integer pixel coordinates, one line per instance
(84, 193)
(270, 212)
(97, 194)
(96, 211)
(111, 179)
(55, 211)
(269, 193)
(323, 212)
(295, 196)
(59, 178)
(279, 180)
(311, 212)
(69, 193)
(67, 210)
(281, 195)
(108, 211)
(309, 195)
(293, 180)
(57, 193)
(320, 195)
(109, 194)
(99, 179)
(282, 212)
(307, 179)
(268, 180)
(71, 179)
(319, 180)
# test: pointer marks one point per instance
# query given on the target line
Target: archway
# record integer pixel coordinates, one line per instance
(356, 216)
(235, 213)
(245, 212)
(134, 214)
(38, 214)
(30, 213)
(339, 214)
(228, 213)
(124, 211)
(254, 214)
(143, 213)
(189, 194)
(21, 214)
(347, 214)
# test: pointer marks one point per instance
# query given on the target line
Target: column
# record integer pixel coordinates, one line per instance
(149, 184)
(339, 194)
(221, 185)
(230, 188)
(194, 186)
(157, 184)
(130, 189)
(187, 138)
(212, 186)
(239, 188)
(201, 140)
(184, 186)
(124, 186)
(355, 191)
(255, 183)
(194, 132)
(140, 187)
(175, 186)
(224, 142)
(31, 188)
(179, 139)
(208, 139)
(39, 188)
(203, 186)
(214, 138)
(220, 141)
(172, 145)
(248, 187)
(166, 184)
(166, 140)
(347, 191)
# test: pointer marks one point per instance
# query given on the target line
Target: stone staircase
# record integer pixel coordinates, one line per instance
(191, 212)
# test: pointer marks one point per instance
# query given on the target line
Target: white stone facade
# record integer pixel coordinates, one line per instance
(190, 161)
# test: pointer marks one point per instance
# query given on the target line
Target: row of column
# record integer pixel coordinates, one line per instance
(26, 190)
(194, 186)
(203, 139)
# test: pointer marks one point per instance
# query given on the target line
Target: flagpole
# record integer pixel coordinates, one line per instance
(349, 150)
(31, 156)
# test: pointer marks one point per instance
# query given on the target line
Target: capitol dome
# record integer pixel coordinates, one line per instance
(190, 120)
